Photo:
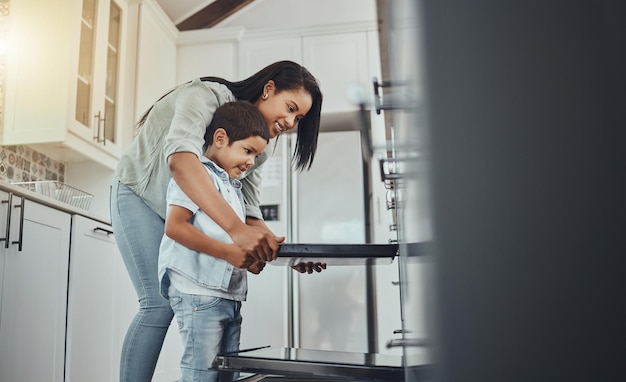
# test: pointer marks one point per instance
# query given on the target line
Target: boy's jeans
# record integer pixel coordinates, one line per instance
(208, 326)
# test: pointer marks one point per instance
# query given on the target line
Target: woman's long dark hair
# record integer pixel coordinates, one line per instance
(287, 75)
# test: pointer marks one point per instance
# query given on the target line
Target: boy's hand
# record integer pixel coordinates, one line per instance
(239, 258)
(256, 267)
(258, 242)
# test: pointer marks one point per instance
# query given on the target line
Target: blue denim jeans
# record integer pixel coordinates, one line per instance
(208, 326)
(138, 231)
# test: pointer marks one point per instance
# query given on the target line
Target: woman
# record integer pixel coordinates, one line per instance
(169, 144)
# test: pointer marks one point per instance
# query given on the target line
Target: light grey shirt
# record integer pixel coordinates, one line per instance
(177, 123)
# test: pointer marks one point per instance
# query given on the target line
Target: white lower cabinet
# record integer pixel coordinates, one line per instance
(91, 344)
(101, 304)
(34, 290)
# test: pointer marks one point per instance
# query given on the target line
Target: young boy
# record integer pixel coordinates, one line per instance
(206, 287)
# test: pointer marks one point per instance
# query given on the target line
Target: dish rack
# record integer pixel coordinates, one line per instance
(59, 191)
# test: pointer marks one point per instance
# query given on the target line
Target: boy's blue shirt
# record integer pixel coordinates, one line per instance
(198, 273)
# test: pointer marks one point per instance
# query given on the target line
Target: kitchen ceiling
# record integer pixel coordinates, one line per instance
(194, 14)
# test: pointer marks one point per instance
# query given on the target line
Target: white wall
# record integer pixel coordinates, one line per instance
(156, 56)
(95, 179)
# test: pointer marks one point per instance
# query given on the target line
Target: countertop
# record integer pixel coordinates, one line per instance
(45, 200)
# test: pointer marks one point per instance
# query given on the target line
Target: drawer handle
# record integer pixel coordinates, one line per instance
(20, 240)
(108, 232)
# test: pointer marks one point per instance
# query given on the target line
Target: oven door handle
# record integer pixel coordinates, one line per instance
(407, 342)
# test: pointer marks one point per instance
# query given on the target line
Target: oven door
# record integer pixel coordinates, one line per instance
(289, 364)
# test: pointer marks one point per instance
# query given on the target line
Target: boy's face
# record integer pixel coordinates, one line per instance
(239, 156)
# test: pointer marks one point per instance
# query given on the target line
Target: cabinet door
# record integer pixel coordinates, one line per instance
(340, 62)
(34, 294)
(39, 51)
(255, 54)
(44, 86)
(97, 108)
(4, 237)
(90, 337)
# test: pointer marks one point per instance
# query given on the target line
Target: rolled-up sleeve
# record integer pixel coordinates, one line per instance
(193, 111)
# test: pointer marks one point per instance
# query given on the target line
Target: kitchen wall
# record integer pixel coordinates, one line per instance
(24, 164)
(94, 179)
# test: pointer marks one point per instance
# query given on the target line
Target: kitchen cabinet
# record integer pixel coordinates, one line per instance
(101, 303)
(65, 63)
(99, 76)
(90, 312)
(208, 52)
(348, 69)
(336, 81)
(34, 290)
(256, 53)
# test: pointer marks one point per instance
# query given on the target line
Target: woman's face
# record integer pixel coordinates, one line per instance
(282, 110)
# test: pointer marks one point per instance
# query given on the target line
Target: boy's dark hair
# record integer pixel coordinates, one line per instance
(240, 119)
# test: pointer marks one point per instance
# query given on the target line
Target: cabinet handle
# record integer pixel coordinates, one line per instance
(19, 241)
(104, 130)
(99, 122)
(8, 226)
(108, 232)
(398, 101)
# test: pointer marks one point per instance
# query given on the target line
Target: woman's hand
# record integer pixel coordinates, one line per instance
(309, 267)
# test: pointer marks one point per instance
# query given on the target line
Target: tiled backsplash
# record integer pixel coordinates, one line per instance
(23, 164)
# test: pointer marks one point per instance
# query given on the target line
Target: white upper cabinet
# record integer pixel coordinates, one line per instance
(64, 67)
(341, 63)
(256, 53)
(99, 74)
(208, 52)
